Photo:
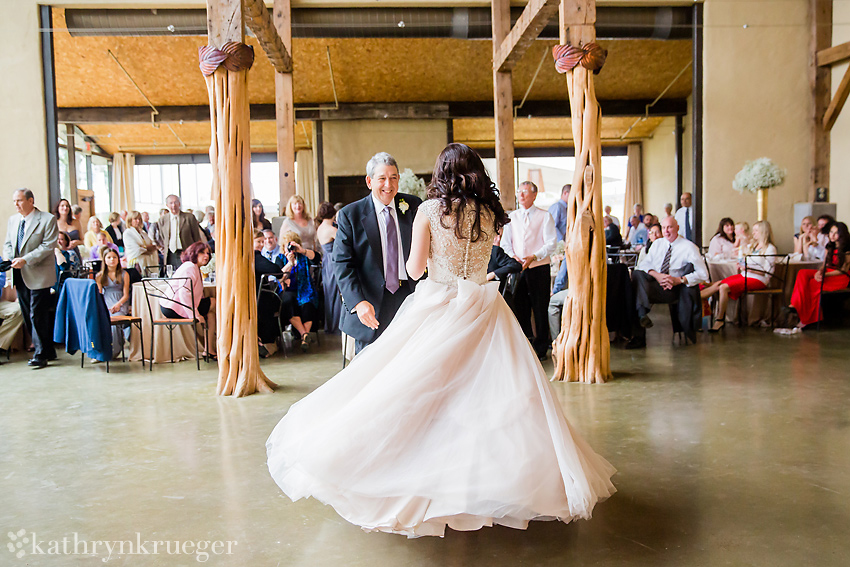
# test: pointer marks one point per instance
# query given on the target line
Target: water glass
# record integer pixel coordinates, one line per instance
(169, 271)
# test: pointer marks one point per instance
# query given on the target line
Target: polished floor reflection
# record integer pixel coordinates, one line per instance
(732, 452)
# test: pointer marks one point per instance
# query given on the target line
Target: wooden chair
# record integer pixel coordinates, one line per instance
(122, 320)
(842, 291)
(775, 286)
(165, 289)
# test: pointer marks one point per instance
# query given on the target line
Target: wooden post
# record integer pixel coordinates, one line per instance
(820, 82)
(582, 349)
(285, 109)
(239, 372)
(71, 147)
(503, 107)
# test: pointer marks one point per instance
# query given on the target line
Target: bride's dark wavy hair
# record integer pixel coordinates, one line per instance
(460, 177)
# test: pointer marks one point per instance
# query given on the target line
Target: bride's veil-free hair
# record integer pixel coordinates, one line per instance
(460, 178)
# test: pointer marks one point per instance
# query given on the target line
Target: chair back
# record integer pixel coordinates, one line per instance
(268, 286)
(166, 289)
(777, 276)
(152, 271)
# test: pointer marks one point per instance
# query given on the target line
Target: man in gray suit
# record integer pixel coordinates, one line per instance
(30, 240)
(178, 231)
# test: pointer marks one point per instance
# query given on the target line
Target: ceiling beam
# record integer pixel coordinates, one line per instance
(531, 22)
(832, 55)
(367, 111)
(258, 19)
(837, 103)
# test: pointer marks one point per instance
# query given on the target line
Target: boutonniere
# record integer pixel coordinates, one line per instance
(403, 206)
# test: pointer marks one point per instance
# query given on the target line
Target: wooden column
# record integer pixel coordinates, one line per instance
(239, 372)
(71, 147)
(284, 108)
(503, 107)
(820, 82)
(582, 349)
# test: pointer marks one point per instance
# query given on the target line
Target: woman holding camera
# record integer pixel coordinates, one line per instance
(300, 297)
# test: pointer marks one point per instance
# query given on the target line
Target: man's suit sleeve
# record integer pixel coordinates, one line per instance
(345, 264)
(48, 243)
(501, 264)
(8, 251)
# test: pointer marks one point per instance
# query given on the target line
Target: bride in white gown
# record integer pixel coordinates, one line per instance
(448, 418)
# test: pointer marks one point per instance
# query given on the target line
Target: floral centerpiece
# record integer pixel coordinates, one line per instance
(758, 176)
(209, 268)
(410, 183)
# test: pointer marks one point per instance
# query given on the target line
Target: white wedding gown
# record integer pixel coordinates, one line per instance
(446, 420)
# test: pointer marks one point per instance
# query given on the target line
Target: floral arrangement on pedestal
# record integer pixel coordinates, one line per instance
(410, 183)
(758, 176)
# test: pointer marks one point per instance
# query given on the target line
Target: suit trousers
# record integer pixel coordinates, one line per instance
(35, 307)
(390, 305)
(532, 296)
(649, 292)
(10, 314)
(173, 258)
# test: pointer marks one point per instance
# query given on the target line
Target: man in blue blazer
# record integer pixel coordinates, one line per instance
(370, 251)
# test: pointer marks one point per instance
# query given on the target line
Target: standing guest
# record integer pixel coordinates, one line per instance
(77, 211)
(146, 222)
(753, 275)
(178, 231)
(743, 240)
(66, 222)
(270, 250)
(201, 216)
(259, 216)
(115, 230)
(671, 272)
(194, 257)
(101, 244)
(825, 223)
(559, 212)
(722, 244)
(31, 236)
(668, 209)
(210, 210)
(10, 313)
(833, 275)
(614, 219)
(326, 234)
(530, 238)
(298, 221)
(139, 248)
(638, 212)
(685, 217)
(114, 283)
(95, 227)
(122, 223)
(300, 298)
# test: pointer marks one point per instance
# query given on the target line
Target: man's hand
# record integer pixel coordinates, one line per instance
(526, 262)
(666, 281)
(366, 313)
(18, 263)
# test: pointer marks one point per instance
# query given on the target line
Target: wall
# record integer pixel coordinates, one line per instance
(839, 175)
(757, 103)
(659, 168)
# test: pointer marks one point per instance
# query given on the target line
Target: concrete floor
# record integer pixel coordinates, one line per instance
(732, 452)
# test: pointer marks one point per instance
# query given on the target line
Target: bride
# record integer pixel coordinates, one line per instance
(447, 419)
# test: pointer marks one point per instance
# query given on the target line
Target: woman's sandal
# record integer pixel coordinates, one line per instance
(718, 326)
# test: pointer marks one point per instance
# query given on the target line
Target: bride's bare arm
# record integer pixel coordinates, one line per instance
(420, 245)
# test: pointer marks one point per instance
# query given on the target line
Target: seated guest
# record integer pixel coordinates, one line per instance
(300, 298)
(759, 269)
(653, 235)
(501, 265)
(115, 230)
(614, 219)
(259, 216)
(193, 257)
(102, 242)
(670, 272)
(806, 242)
(638, 212)
(200, 216)
(95, 227)
(326, 235)
(722, 244)
(825, 223)
(298, 221)
(270, 249)
(668, 209)
(742, 239)
(10, 313)
(649, 220)
(210, 228)
(638, 234)
(267, 326)
(67, 258)
(66, 222)
(139, 248)
(612, 233)
(807, 287)
(114, 283)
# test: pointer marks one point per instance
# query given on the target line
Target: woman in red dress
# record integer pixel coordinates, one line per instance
(756, 274)
(833, 274)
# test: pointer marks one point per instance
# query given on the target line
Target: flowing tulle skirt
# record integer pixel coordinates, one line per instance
(446, 420)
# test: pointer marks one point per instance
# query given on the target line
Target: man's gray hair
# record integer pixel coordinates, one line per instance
(27, 193)
(380, 158)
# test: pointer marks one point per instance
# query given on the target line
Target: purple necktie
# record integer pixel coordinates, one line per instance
(392, 252)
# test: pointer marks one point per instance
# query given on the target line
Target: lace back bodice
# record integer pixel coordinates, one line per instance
(452, 258)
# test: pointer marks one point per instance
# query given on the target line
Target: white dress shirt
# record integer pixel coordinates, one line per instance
(28, 220)
(379, 213)
(522, 216)
(174, 243)
(680, 218)
(684, 252)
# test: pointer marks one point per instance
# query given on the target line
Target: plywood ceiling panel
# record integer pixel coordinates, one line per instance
(554, 132)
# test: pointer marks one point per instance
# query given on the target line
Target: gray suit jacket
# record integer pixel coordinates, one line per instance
(40, 238)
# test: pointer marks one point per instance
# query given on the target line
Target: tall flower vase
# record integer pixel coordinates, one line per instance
(761, 197)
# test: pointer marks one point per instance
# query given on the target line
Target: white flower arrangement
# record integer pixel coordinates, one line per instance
(410, 183)
(210, 267)
(758, 174)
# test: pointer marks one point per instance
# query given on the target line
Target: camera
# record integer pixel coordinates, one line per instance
(290, 247)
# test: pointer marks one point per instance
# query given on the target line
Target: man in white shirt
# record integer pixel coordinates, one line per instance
(270, 248)
(670, 273)
(530, 238)
(685, 217)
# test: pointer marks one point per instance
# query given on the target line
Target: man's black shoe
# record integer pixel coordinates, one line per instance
(646, 322)
(636, 342)
(37, 363)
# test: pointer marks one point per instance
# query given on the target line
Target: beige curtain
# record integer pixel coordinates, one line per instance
(123, 197)
(305, 181)
(634, 184)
